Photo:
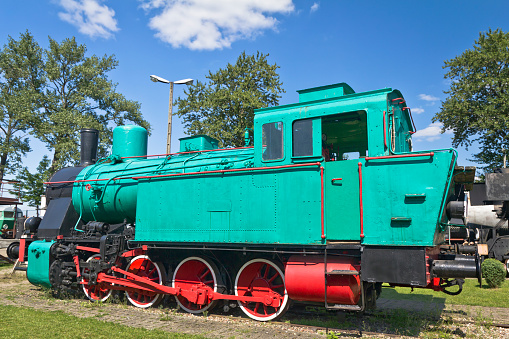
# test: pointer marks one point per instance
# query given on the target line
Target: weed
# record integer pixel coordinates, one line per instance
(205, 314)
(482, 320)
(92, 304)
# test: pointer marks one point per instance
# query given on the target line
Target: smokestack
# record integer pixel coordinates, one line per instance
(89, 140)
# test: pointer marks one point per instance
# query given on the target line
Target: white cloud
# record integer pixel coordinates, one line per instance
(315, 7)
(417, 110)
(427, 97)
(430, 133)
(90, 17)
(209, 25)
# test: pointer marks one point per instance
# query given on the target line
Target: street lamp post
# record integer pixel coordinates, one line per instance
(156, 78)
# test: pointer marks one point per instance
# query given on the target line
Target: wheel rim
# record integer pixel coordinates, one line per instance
(97, 292)
(195, 272)
(261, 278)
(142, 266)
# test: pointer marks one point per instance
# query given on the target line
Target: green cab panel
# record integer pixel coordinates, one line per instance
(39, 261)
(403, 198)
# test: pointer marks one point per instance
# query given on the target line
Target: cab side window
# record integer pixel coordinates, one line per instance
(272, 139)
(302, 136)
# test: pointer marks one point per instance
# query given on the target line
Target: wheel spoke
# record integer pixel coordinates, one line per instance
(207, 271)
(266, 272)
(152, 272)
(273, 277)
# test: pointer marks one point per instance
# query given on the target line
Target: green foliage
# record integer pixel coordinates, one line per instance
(78, 94)
(52, 94)
(494, 272)
(31, 185)
(223, 107)
(477, 108)
(21, 78)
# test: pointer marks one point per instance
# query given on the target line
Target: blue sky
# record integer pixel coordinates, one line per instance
(367, 44)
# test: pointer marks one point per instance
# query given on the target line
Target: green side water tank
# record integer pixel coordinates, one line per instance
(129, 141)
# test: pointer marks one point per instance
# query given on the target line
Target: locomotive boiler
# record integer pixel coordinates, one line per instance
(326, 202)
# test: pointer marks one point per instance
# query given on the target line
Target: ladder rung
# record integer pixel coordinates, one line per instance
(344, 307)
(342, 272)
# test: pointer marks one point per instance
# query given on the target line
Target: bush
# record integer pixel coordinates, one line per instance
(494, 272)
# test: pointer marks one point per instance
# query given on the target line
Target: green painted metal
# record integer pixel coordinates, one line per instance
(391, 216)
(198, 143)
(39, 261)
(105, 197)
(342, 206)
(324, 92)
(210, 197)
(278, 206)
(129, 141)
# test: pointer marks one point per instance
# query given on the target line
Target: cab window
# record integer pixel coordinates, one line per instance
(272, 141)
(302, 136)
(344, 136)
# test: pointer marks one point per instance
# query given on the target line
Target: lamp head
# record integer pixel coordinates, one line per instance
(184, 82)
(156, 78)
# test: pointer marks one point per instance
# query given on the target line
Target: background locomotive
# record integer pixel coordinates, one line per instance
(329, 203)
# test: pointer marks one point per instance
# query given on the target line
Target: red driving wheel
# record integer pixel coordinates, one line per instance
(262, 278)
(195, 273)
(97, 292)
(144, 267)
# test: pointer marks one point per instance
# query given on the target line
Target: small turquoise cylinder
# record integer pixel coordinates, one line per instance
(129, 141)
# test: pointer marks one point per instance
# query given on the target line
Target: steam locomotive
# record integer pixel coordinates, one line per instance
(328, 203)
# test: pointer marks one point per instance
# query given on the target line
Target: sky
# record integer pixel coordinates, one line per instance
(367, 44)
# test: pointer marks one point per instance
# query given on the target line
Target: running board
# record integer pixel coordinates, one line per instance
(342, 272)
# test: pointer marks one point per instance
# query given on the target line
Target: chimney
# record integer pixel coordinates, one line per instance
(89, 140)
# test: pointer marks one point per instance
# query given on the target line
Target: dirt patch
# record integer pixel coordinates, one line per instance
(17, 291)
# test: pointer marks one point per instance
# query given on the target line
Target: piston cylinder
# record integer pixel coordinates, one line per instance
(305, 279)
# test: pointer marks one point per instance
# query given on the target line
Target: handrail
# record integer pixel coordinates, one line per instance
(360, 200)
(431, 154)
(188, 152)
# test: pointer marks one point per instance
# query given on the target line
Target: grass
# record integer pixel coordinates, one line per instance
(5, 264)
(28, 323)
(395, 322)
(471, 295)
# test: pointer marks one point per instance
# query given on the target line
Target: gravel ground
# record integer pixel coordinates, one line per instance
(17, 291)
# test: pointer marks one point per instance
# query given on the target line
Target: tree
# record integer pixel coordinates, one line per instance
(21, 78)
(76, 95)
(31, 185)
(477, 108)
(224, 106)
(52, 94)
